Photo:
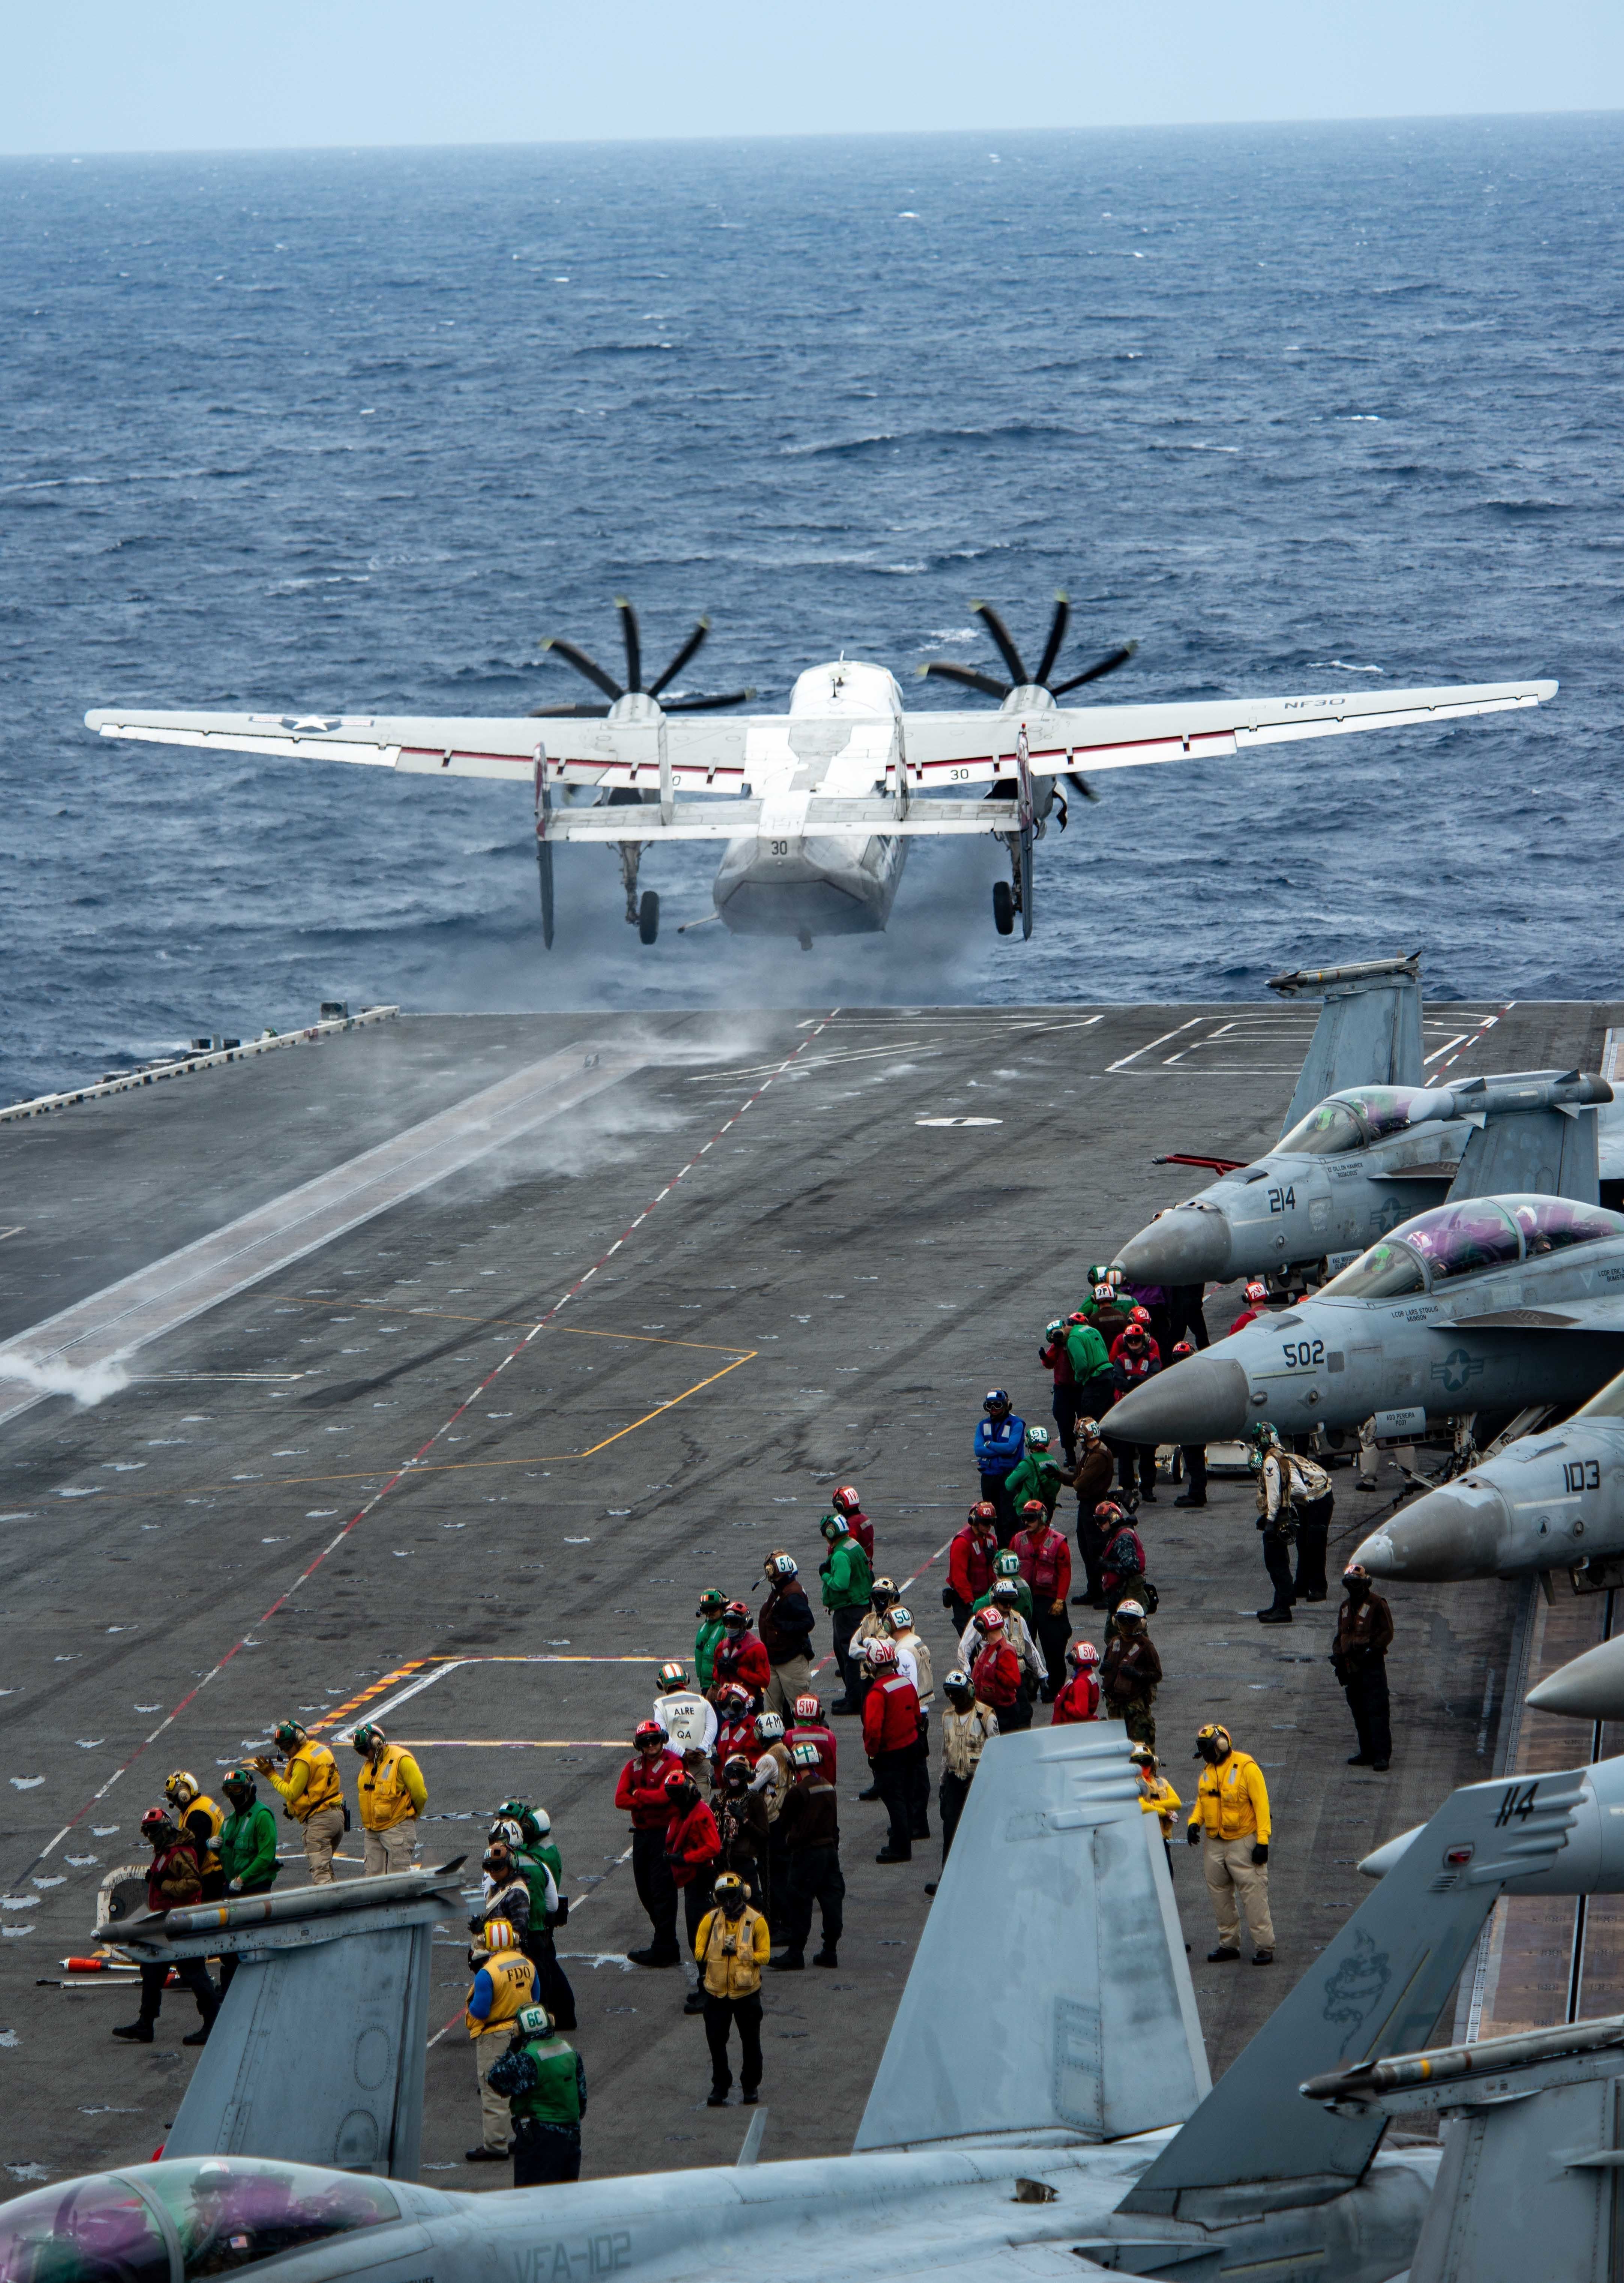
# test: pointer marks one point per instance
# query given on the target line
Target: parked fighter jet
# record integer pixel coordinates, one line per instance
(1051, 2125)
(816, 804)
(1548, 1500)
(1476, 1307)
(1367, 1159)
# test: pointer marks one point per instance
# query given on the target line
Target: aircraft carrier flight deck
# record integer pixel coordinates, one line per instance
(440, 1361)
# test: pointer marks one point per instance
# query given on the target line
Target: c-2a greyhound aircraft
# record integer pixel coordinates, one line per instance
(817, 806)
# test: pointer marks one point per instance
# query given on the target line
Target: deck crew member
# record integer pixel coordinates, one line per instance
(311, 1793)
(1229, 1823)
(393, 1796)
(503, 1985)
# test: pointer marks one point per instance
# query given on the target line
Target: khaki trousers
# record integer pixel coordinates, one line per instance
(321, 1833)
(1233, 1878)
(393, 1849)
(495, 2118)
(788, 1682)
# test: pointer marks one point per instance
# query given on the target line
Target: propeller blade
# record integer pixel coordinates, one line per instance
(970, 676)
(1000, 634)
(573, 655)
(710, 704)
(1056, 635)
(1098, 670)
(687, 649)
(566, 713)
(1080, 784)
(632, 635)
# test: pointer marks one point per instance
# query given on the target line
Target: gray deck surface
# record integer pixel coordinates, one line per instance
(823, 1298)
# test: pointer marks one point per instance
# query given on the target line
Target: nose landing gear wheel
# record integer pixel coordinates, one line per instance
(648, 916)
(1004, 908)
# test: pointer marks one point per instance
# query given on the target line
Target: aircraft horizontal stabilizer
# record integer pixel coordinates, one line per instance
(1090, 2024)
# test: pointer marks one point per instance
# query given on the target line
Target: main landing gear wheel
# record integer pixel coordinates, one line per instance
(648, 916)
(1004, 908)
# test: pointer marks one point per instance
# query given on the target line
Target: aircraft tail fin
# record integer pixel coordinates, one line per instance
(1531, 2151)
(1377, 1989)
(1090, 2026)
(1369, 1032)
(1545, 1138)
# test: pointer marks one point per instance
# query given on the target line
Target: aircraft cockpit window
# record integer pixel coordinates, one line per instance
(1551, 1224)
(92, 2231)
(1324, 1133)
(1460, 1240)
(1389, 1109)
(230, 2211)
(1386, 1271)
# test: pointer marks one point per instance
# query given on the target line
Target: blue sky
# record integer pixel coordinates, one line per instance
(98, 75)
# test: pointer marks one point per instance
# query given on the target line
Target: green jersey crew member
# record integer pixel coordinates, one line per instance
(544, 2082)
(311, 1794)
(247, 1849)
(848, 1583)
(393, 1796)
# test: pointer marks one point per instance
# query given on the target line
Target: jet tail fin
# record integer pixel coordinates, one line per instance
(1369, 1032)
(1543, 1137)
(1532, 2148)
(1377, 1989)
(1090, 2026)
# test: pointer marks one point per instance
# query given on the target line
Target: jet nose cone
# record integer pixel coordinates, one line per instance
(1590, 1688)
(1201, 1398)
(1189, 1245)
(1459, 1532)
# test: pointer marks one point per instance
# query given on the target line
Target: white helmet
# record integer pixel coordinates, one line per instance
(543, 1820)
(899, 1619)
(768, 1728)
(1130, 1608)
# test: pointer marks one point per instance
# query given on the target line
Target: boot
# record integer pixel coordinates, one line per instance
(1274, 1616)
(651, 1957)
(1188, 1498)
(483, 2156)
(793, 1961)
(139, 2033)
(1224, 1952)
(717, 2099)
(825, 1957)
(694, 2002)
(200, 2036)
(889, 1854)
(872, 1792)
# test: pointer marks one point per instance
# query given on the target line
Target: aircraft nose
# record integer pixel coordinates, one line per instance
(1189, 1245)
(1202, 1399)
(1590, 1688)
(1458, 1531)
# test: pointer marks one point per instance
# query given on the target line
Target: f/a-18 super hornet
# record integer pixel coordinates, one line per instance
(1552, 1500)
(816, 806)
(1490, 1305)
(1368, 1157)
(1070, 2128)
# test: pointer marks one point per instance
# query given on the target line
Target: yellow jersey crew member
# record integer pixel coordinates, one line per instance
(197, 1815)
(391, 1795)
(311, 1794)
(730, 1948)
(1229, 1823)
(1157, 1796)
(503, 1987)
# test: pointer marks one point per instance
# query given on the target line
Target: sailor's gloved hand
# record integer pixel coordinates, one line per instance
(1260, 1854)
(1194, 1835)
(234, 1887)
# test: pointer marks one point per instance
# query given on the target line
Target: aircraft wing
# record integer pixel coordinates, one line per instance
(836, 761)
(1603, 1316)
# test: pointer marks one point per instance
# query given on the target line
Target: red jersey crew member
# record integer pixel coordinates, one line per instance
(642, 1793)
(692, 1845)
(891, 1739)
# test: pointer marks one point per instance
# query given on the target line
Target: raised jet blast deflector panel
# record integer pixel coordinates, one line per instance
(1090, 2026)
(1369, 1032)
(316, 2054)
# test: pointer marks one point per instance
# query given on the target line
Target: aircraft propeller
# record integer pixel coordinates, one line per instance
(970, 677)
(631, 635)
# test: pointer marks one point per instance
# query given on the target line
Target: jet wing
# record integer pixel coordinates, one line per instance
(844, 755)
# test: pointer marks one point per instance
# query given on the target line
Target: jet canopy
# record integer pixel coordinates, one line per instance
(189, 2217)
(1460, 1240)
(1358, 1116)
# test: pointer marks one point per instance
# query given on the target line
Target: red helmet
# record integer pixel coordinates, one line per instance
(1109, 1511)
(846, 1500)
(153, 1823)
(1082, 1653)
(808, 1708)
(1077, 1317)
(649, 1734)
(1182, 1348)
(677, 1780)
(1256, 1292)
(1035, 1507)
(737, 1613)
(734, 1698)
(991, 1621)
(984, 1510)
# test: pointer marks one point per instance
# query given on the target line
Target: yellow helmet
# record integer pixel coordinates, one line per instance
(181, 1789)
(1217, 1737)
(499, 1935)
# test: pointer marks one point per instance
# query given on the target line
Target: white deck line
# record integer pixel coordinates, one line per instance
(124, 1317)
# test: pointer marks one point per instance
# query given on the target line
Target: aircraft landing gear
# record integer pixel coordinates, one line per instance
(648, 916)
(643, 913)
(1004, 908)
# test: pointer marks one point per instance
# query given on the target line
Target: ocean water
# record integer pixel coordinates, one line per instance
(1296, 408)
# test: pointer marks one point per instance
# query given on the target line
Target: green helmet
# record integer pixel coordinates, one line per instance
(1006, 1565)
(366, 1735)
(1037, 1439)
(834, 1526)
(287, 1735)
(239, 1779)
(534, 2021)
(672, 1676)
(533, 1830)
(712, 1600)
(1097, 1272)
